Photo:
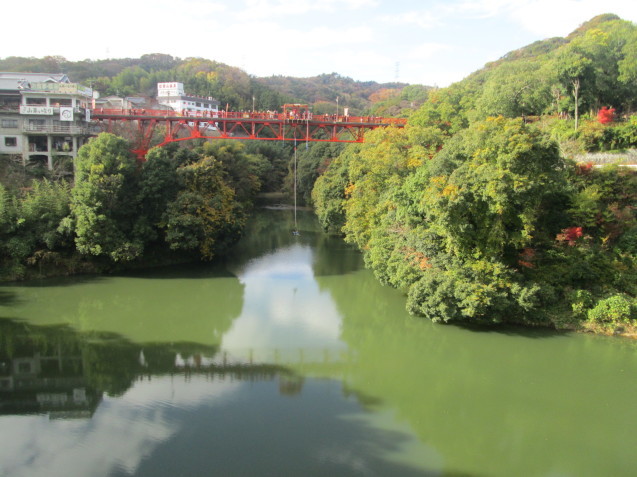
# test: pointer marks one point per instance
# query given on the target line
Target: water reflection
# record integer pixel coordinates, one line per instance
(283, 307)
(167, 409)
(42, 371)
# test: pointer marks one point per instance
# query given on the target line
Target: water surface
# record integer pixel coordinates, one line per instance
(290, 359)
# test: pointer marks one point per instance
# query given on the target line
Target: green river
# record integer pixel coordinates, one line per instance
(290, 359)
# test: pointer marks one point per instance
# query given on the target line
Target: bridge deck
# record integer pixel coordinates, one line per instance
(237, 116)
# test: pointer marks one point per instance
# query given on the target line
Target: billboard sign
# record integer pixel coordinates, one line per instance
(44, 110)
(66, 114)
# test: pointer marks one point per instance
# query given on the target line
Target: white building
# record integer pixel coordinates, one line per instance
(174, 96)
(44, 117)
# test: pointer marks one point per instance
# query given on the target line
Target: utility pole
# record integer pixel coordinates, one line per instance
(337, 107)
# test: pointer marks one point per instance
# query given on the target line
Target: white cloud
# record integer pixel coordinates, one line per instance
(546, 18)
(481, 9)
(283, 303)
(287, 8)
(427, 50)
(34, 446)
(549, 18)
(422, 19)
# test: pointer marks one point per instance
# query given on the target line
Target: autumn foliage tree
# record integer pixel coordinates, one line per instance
(606, 115)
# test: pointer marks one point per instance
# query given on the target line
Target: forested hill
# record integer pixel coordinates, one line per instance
(229, 84)
(481, 211)
(593, 67)
(391, 99)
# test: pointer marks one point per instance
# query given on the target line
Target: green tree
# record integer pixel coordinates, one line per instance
(8, 225)
(205, 216)
(627, 67)
(380, 167)
(243, 170)
(104, 204)
(29, 225)
(447, 108)
(492, 200)
(272, 173)
(329, 191)
(574, 68)
(158, 187)
(312, 161)
(515, 89)
(129, 82)
(479, 203)
(450, 230)
(42, 208)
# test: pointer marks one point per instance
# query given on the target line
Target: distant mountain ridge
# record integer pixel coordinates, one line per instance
(229, 84)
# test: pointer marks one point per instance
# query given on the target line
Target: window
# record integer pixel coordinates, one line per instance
(36, 101)
(24, 367)
(9, 123)
(10, 141)
(61, 102)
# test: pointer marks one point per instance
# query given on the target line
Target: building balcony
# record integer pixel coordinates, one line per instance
(71, 129)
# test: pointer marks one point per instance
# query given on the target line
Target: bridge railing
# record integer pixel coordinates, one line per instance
(249, 115)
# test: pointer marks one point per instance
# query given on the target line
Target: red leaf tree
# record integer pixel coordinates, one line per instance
(606, 115)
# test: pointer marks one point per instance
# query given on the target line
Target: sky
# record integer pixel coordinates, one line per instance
(430, 42)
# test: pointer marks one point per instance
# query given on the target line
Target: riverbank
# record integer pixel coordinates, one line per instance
(45, 264)
(53, 265)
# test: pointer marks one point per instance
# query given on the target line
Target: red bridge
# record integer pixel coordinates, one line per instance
(296, 123)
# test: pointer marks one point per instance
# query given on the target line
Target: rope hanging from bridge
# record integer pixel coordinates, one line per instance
(296, 229)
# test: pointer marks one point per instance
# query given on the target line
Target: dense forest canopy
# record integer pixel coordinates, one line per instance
(476, 209)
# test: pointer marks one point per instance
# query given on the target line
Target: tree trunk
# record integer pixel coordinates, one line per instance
(576, 86)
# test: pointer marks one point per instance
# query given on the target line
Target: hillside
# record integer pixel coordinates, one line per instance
(229, 84)
(570, 78)
(475, 210)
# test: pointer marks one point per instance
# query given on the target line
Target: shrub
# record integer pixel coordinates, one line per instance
(581, 302)
(433, 297)
(611, 312)
(628, 241)
(626, 132)
(595, 136)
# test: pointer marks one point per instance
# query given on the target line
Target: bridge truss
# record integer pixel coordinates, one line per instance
(159, 127)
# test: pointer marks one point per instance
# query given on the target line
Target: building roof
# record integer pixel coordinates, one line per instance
(36, 77)
(186, 97)
(136, 100)
(15, 82)
(8, 85)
